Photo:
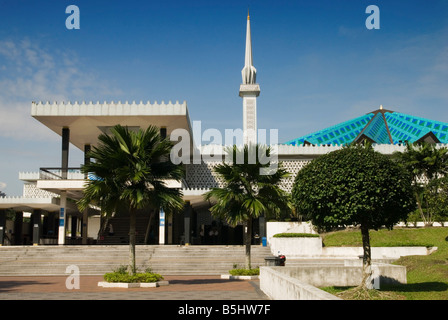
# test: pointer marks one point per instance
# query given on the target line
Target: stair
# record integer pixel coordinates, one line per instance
(99, 259)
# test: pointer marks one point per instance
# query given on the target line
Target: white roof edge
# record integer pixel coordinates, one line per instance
(27, 200)
(107, 108)
(283, 149)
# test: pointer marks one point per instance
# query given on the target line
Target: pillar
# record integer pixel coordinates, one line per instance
(65, 149)
(36, 226)
(18, 226)
(2, 226)
(51, 224)
(187, 223)
(162, 226)
(62, 217)
(85, 214)
(163, 132)
(262, 229)
(74, 226)
(64, 169)
(170, 229)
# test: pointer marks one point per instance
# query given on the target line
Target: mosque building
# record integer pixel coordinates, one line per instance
(49, 196)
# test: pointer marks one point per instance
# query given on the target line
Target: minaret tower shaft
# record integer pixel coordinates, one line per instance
(249, 91)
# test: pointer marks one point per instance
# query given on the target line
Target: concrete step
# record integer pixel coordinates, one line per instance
(96, 260)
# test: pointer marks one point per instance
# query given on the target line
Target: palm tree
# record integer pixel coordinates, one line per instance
(248, 192)
(130, 169)
(424, 161)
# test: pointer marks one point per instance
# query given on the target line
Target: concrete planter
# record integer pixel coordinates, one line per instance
(106, 284)
(297, 247)
(230, 277)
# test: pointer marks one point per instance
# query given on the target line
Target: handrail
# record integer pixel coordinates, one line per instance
(56, 173)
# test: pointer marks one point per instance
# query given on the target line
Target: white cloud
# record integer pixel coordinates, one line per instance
(2, 185)
(30, 72)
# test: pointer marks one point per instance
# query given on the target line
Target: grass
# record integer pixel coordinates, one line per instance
(400, 237)
(427, 276)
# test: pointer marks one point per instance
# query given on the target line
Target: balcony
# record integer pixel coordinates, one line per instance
(53, 180)
(57, 174)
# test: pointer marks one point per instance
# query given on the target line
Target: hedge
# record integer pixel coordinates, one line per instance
(245, 272)
(296, 235)
(137, 277)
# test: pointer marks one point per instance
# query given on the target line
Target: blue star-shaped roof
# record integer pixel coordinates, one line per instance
(380, 126)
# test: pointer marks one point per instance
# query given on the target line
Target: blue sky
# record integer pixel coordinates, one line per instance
(317, 64)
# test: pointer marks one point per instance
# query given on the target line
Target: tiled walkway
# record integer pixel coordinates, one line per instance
(179, 288)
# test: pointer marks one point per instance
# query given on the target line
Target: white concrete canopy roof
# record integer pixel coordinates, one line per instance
(87, 121)
(24, 204)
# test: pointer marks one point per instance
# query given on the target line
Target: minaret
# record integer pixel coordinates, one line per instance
(249, 91)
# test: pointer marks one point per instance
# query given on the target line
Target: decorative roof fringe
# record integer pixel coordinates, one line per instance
(83, 103)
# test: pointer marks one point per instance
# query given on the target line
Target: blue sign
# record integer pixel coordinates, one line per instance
(162, 218)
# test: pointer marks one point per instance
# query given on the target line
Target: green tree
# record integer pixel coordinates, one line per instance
(354, 186)
(426, 163)
(130, 169)
(437, 199)
(250, 190)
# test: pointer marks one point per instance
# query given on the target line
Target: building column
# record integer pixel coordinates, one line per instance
(62, 216)
(85, 214)
(262, 229)
(187, 223)
(170, 229)
(162, 219)
(163, 132)
(51, 224)
(36, 226)
(64, 170)
(74, 226)
(18, 226)
(65, 149)
(2, 226)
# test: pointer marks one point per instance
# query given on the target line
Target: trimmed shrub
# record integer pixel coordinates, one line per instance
(127, 278)
(245, 272)
(296, 235)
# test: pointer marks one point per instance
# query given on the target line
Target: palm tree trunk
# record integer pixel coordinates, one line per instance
(367, 259)
(419, 206)
(132, 225)
(248, 240)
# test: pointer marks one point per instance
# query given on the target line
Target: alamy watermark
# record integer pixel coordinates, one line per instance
(73, 280)
(73, 21)
(373, 20)
(208, 145)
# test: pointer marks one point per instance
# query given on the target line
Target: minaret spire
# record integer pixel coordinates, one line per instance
(249, 72)
(249, 91)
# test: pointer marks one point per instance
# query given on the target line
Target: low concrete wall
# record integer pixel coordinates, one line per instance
(377, 252)
(302, 247)
(301, 282)
(294, 227)
(343, 275)
(297, 247)
(280, 286)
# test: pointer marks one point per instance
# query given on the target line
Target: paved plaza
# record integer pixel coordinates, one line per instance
(179, 288)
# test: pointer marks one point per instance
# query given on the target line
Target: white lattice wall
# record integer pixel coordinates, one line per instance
(31, 191)
(293, 167)
(203, 176)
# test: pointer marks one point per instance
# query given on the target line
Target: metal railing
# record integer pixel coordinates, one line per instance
(58, 174)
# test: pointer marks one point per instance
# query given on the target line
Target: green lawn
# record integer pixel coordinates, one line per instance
(427, 275)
